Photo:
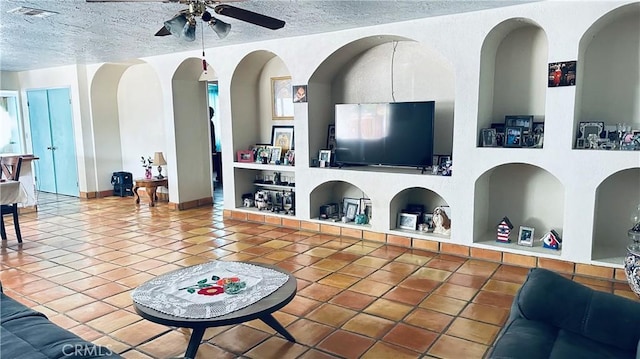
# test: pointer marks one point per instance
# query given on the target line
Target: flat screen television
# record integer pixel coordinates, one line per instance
(391, 134)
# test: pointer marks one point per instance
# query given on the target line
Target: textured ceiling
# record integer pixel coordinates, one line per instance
(84, 32)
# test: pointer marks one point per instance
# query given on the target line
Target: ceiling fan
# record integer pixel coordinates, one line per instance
(183, 25)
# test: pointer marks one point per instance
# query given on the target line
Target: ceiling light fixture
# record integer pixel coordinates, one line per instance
(220, 27)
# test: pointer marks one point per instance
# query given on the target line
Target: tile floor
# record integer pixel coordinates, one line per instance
(81, 259)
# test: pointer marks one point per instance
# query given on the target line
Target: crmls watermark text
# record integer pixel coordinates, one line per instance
(81, 350)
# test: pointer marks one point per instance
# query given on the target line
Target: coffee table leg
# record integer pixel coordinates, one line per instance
(194, 343)
(273, 323)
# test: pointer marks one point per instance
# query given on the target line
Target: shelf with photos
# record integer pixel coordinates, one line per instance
(517, 131)
(600, 136)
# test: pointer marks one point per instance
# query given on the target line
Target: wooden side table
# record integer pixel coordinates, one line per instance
(151, 186)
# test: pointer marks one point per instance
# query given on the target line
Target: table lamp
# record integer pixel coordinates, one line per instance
(158, 160)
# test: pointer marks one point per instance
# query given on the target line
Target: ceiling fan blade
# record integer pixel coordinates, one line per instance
(163, 32)
(249, 16)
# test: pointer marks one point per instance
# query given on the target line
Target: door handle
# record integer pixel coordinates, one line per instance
(54, 148)
(49, 148)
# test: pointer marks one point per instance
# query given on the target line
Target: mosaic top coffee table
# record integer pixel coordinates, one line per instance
(215, 294)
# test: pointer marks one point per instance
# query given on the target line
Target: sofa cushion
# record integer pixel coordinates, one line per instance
(27, 334)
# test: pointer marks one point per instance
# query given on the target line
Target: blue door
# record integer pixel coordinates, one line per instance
(53, 142)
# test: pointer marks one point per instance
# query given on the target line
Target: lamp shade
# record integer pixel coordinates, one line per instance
(220, 27)
(176, 24)
(158, 159)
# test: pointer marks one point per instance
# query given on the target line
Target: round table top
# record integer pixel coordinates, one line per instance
(269, 304)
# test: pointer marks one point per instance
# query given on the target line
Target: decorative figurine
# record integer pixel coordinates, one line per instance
(262, 200)
(504, 230)
(551, 240)
(441, 221)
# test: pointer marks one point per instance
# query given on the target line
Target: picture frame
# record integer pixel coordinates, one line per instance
(282, 136)
(300, 93)
(407, 221)
(499, 127)
(245, 156)
(427, 219)
(524, 121)
(331, 137)
(525, 236)
(324, 158)
(346, 201)
(366, 207)
(352, 210)
(290, 157)
(262, 153)
(562, 74)
(442, 160)
(587, 128)
(281, 98)
(513, 136)
(275, 154)
(488, 137)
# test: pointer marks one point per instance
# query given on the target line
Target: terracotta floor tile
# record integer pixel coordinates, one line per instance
(494, 299)
(400, 267)
(370, 287)
(422, 284)
(431, 273)
(414, 259)
(478, 268)
(113, 321)
(171, 344)
(316, 354)
(339, 280)
(51, 294)
(90, 311)
(474, 331)
(369, 325)
(384, 350)
(208, 351)
(106, 290)
(428, 319)
(139, 332)
(331, 315)
(456, 291)
(439, 263)
(239, 339)
(308, 332)
(511, 274)
(499, 286)
(276, 348)
(319, 292)
(346, 344)
(329, 264)
(388, 309)
(485, 313)
(454, 348)
(443, 304)
(301, 306)
(353, 300)
(372, 262)
(467, 280)
(405, 295)
(311, 274)
(357, 270)
(391, 278)
(411, 337)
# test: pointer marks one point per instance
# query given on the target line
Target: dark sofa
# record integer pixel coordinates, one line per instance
(27, 334)
(555, 317)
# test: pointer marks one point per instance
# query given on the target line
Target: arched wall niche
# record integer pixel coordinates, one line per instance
(613, 213)
(382, 69)
(126, 100)
(332, 192)
(527, 194)
(251, 98)
(513, 72)
(192, 162)
(608, 71)
(414, 195)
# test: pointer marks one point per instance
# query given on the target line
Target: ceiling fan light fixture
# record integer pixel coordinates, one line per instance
(176, 24)
(189, 30)
(220, 27)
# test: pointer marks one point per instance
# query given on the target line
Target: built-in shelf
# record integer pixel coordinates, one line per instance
(420, 234)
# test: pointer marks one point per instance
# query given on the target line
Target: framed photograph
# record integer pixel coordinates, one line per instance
(513, 136)
(275, 154)
(524, 121)
(407, 221)
(300, 93)
(525, 236)
(427, 219)
(324, 158)
(331, 137)
(352, 210)
(281, 98)
(442, 160)
(282, 136)
(488, 136)
(262, 152)
(346, 201)
(562, 74)
(245, 156)
(499, 127)
(366, 207)
(290, 156)
(587, 128)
